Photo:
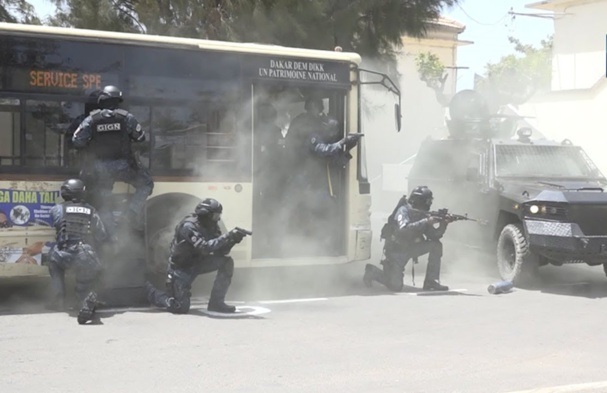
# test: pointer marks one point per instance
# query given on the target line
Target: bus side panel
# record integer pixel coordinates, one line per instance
(359, 205)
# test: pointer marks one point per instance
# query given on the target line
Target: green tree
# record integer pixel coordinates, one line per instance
(17, 11)
(517, 77)
(371, 28)
(111, 15)
(432, 71)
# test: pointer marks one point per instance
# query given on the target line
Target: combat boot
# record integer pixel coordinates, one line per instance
(89, 305)
(368, 277)
(434, 285)
(220, 306)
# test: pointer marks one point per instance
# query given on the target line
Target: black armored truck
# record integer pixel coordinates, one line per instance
(538, 201)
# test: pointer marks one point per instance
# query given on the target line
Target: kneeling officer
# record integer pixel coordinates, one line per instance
(411, 233)
(79, 230)
(198, 248)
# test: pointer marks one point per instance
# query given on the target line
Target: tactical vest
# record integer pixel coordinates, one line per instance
(76, 223)
(110, 134)
(183, 253)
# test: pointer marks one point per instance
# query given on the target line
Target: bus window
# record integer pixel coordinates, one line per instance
(201, 139)
(45, 125)
(142, 150)
(10, 124)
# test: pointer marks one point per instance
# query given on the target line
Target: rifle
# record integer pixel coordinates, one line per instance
(450, 217)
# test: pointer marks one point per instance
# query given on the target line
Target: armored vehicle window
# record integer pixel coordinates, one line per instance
(544, 161)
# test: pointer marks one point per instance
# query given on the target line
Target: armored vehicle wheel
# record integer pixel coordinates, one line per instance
(514, 260)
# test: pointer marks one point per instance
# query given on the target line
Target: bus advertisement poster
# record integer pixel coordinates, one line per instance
(26, 208)
(11, 252)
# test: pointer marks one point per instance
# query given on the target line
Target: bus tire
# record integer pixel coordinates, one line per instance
(163, 214)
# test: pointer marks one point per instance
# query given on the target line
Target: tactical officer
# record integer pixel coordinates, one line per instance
(316, 152)
(468, 115)
(198, 248)
(107, 133)
(410, 233)
(79, 230)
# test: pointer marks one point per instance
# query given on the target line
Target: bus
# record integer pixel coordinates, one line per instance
(198, 101)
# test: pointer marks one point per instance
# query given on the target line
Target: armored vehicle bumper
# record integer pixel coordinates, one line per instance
(564, 242)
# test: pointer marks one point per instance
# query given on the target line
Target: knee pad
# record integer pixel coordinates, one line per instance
(60, 259)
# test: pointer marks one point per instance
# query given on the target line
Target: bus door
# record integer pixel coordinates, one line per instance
(298, 198)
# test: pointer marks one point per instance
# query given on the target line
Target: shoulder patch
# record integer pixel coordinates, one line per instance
(121, 112)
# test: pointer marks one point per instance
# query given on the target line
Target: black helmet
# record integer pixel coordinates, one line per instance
(109, 97)
(209, 208)
(72, 189)
(468, 113)
(314, 101)
(421, 198)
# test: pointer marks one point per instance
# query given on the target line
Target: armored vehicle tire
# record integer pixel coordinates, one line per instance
(514, 260)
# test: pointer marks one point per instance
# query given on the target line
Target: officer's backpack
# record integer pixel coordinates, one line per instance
(390, 227)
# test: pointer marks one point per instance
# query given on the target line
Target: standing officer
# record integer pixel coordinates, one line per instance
(79, 230)
(198, 248)
(410, 233)
(107, 133)
(311, 140)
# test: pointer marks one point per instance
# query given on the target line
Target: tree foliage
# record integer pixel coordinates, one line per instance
(432, 72)
(17, 11)
(517, 77)
(371, 28)
(109, 15)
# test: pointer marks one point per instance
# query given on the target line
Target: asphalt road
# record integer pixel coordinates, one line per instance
(320, 330)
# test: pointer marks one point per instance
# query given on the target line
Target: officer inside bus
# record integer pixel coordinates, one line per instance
(107, 134)
(198, 248)
(409, 234)
(312, 142)
(79, 230)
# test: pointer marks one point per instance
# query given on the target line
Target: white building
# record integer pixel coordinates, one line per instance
(422, 115)
(576, 108)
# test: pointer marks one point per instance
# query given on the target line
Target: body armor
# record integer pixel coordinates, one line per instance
(110, 134)
(183, 252)
(75, 224)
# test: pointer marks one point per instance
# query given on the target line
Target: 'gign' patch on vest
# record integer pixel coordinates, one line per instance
(108, 127)
(78, 209)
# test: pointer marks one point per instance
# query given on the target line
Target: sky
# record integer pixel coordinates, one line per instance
(488, 25)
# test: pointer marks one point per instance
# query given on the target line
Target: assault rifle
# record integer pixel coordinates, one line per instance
(450, 217)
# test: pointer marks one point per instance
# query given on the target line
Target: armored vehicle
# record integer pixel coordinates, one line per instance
(539, 201)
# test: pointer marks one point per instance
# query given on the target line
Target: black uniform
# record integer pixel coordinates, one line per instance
(107, 134)
(196, 249)
(315, 156)
(409, 234)
(79, 231)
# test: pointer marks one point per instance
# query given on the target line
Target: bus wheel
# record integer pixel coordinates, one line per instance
(159, 251)
(163, 213)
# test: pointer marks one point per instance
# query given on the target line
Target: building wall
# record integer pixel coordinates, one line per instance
(579, 45)
(422, 117)
(575, 109)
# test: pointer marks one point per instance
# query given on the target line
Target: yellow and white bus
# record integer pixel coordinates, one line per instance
(198, 101)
